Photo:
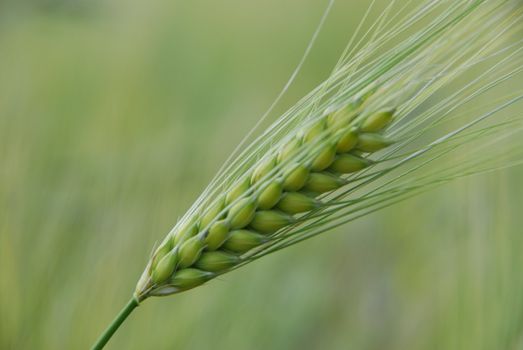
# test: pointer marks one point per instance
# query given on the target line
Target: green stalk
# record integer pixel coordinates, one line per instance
(117, 322)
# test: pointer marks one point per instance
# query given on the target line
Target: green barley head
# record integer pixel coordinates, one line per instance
(358, 142)
(414, 89)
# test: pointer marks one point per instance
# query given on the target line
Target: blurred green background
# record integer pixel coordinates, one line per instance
(114, 115)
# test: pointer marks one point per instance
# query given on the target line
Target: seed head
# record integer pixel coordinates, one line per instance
(294, 180)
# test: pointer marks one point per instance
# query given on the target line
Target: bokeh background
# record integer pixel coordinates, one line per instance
(114, 115)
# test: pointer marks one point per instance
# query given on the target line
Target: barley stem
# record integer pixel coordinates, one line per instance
(117, 322)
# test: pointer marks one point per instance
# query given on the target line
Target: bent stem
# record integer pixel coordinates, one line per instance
(117, 322)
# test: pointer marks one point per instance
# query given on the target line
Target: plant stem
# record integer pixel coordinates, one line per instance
(117, 322)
